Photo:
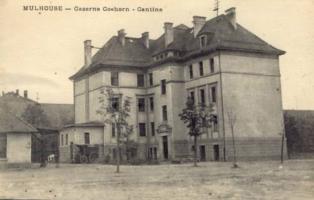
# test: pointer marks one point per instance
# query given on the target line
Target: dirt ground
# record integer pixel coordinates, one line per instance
(211, 180)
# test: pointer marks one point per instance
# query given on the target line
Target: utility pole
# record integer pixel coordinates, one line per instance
(216, 8)
(37, 97)
(118, 142)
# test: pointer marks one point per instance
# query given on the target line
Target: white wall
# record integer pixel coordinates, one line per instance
(19, 147)
(76, 135)
(251, 89)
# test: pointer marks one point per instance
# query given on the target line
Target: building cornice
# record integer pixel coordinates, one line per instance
(95, 68)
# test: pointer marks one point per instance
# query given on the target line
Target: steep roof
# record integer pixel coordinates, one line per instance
(57, 115)
(221, 35)
(9, 123)
(225, 36)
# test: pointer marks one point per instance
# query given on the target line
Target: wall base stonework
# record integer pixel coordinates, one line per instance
(181, 149)
(65, 154)
(248, 149)
(208, 150)
(110, 153)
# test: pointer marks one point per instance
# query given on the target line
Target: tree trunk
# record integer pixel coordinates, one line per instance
(282, 145)
(195, 150)
(42, 153)
(118, 148)
(234, 149)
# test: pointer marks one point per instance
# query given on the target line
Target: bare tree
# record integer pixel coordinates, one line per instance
(196, 117)
(117, 114)
(232, 118)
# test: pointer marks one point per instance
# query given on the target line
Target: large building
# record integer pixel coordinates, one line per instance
(215, 62)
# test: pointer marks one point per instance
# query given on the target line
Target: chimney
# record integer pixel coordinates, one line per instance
(198, 23)
(121, 36)
(168, 33)
(25, 94)
(88, 52)
(145, 39)
(231, 15)
(17, 92)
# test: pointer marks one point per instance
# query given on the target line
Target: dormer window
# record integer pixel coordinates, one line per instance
(203, 42)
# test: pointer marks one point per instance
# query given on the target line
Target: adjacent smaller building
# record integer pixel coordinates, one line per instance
(15, 139)
(299, 125)
(47, 118)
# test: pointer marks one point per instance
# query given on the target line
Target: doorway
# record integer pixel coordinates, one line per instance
(216, 152)
(165, 147)
(202, 153)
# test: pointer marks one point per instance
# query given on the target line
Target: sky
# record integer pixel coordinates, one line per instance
(40, 51)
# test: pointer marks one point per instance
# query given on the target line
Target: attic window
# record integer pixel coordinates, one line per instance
(203, 42)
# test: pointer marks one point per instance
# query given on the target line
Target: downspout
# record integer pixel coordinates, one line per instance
(283, 143)
(222, 109)
(148, 128)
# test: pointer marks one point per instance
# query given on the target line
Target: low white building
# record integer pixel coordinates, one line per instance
(15, 139)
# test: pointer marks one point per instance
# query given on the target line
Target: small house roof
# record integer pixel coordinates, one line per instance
(9, 123)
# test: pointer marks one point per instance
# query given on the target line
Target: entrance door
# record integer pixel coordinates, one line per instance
(165, 146)
(216, 152)
(202, 153)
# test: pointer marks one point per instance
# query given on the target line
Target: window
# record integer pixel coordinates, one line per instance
(113, 130)
(140, 80)
(151, 103)
(114, 78)
(86, 138)
(202, 95)
(215, 123)
(114, 154)
(142, 129)
(66, 139)
(153, 153)
(151, 80)
(193, 148)
(164, 113)
(191, 71)
(62, 139)
(203, 41)
(192, 95)
(163, 86)
(152, 126)
(213, 94)
(141, 104)
(115, 103)
(201, 68)
(212, 65)
(3, 145)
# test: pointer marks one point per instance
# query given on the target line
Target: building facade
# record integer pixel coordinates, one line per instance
(216, 62)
